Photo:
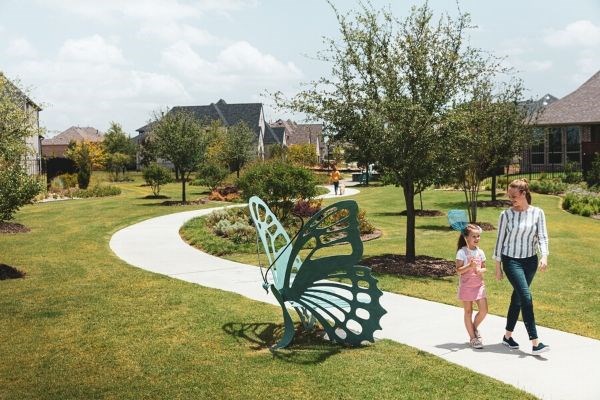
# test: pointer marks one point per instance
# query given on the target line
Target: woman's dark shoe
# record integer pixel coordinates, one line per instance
(540, 348)
(510, 342)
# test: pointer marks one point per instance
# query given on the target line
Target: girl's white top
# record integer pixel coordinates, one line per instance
(521, 233)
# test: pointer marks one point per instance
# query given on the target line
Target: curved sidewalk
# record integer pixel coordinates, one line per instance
(569, 371)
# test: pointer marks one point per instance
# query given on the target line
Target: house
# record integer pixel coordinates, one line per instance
(33, 160)
(567, 131)
(294, 133)
(228, 114)
(56, 146)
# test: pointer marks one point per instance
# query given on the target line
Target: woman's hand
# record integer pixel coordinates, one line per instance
(499, 273)
(543, 265)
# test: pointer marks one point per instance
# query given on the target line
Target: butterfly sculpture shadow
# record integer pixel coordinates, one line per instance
(309, 347)
(327, 286)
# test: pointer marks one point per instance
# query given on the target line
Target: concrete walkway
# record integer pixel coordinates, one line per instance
(570, 371)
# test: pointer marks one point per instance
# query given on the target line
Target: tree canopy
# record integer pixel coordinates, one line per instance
(392, 86)
(179, 137)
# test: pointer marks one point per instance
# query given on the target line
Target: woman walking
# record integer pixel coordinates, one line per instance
(521, 233)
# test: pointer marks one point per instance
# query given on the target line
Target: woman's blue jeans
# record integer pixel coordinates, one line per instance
(520, 273)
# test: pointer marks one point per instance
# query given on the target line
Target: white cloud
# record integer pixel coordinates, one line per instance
(110, 10)
(238, 65)
(84, 92)
(173, 32)
(588, 63)
(21, 47)
(93, 49)
(580, 33)
(537, 65)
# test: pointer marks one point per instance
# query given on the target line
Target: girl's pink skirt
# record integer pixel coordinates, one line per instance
(466, 293)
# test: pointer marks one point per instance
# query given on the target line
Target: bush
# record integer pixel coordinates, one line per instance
(278, 184)
(211, 175)
(97, 191)
(307, 208)
(226, 193)
(582, 202)
(233, 224)
(16, 189)
(547, 186)
(571, 173)
(63, 181)
(155, 176)
(364, 225)
(592, 177)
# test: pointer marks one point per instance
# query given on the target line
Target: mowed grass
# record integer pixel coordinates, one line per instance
(83, 324)
(566, 297)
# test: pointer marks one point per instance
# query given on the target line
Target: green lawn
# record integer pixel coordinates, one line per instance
(83, 324)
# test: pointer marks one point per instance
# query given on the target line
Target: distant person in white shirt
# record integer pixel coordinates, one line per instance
(521, 233)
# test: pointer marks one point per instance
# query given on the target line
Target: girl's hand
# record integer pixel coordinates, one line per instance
(543, 265)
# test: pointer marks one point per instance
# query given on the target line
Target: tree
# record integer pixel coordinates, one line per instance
(489, 130)
(304, 155)
(180, 138)
(16, 187)
(239, 147)
(87, 156)
(155, 176)
(393, 84)
(119, 149)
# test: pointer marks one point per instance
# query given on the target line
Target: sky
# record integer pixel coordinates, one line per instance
(89, 63)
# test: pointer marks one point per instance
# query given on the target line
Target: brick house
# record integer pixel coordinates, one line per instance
(56, 146)
(567, 131)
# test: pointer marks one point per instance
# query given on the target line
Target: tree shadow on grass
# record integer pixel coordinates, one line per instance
(8, 272)
(306, 348)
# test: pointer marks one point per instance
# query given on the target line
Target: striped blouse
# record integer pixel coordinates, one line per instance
(521, 233)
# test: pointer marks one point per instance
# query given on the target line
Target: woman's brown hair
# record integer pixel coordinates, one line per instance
(523, 186)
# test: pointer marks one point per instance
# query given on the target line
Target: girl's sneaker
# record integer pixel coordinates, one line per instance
(540, 348)
(510, 342)
(476, 343)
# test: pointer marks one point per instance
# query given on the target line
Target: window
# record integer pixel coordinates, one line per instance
(595, 133)
(573, 144)
(554, 146)
(537, 146)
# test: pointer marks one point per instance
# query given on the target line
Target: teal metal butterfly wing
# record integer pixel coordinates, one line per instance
(327, 285)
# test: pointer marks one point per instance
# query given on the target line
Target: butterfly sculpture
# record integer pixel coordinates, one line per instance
(458, 219)
(327, 286)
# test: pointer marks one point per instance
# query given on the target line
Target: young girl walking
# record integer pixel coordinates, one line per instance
(470, 265)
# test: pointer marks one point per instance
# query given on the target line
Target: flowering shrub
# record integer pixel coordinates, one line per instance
(307, 208)
(582, 202)
(547, 186)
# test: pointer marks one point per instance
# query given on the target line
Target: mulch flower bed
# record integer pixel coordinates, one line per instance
(12, 227)
(8, 272)
(395, 264)
(180, 203)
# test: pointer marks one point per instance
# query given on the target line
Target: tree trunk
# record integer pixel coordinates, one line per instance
(409, 199)
(183, 188)
(494, 181)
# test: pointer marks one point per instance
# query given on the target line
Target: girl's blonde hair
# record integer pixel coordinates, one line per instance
(462, 242)
(523, 186)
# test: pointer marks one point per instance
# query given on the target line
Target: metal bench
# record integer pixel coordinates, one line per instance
(331, 289)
